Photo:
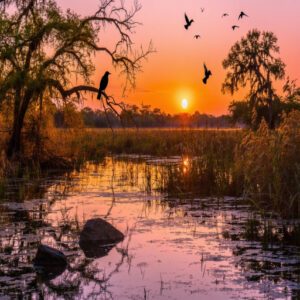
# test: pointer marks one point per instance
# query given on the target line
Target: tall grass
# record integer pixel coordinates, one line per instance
(264, 166)
(267, 166)
(93, 143)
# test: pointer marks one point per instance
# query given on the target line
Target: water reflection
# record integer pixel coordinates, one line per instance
(177, 244)
(185, 165)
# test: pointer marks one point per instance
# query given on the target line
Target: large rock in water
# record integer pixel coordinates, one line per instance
(98, 237)
(49, 262)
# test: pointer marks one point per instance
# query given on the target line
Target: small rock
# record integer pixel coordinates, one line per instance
(98, 230)
(98, 237)
(49, 262)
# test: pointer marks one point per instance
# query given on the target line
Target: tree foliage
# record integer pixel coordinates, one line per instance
(242, 112)
(252, 63)
(42, 48)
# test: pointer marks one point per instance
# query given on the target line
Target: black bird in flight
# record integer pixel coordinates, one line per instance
(242, 14)
(234, 27)
(188, 22)
(103, 84)
(207, 74)
(225, 15)
(197, 36)
(202, 9)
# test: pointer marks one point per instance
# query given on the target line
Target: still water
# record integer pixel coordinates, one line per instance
(184, 247)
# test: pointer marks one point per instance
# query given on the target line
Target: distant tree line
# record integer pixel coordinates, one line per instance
(252, 63)
(135, 116)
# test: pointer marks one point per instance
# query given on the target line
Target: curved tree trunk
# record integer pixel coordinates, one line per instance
(14, 144)
(271, 100)
(271, 118)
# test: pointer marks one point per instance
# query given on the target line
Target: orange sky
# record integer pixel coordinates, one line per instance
(175, 71)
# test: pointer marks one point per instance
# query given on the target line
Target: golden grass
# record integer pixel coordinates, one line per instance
(86, 144)
(264, 166)
(268, 166)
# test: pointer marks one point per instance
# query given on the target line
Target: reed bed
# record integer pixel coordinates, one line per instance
(94, 143)
(262, 166)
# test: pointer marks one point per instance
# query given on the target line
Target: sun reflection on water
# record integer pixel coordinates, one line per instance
(172, 242)
(186, 165)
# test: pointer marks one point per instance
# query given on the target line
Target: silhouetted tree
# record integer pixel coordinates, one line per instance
(41, 47)
(68, 117)
(240, 112)
(251, 63)
(292, 96)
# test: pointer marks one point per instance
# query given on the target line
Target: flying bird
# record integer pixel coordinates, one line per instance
(242, 14)
(207, 74)
(197, 36)
(103, 84)
(202, 9)
(234, 27)
(225, 15)
(188, 22)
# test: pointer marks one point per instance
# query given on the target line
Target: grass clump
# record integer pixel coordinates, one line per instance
(268, 166)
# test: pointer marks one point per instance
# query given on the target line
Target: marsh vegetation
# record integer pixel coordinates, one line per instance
(260, 166)
(223, 203)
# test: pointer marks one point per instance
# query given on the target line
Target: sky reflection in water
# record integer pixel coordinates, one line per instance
(170, 251)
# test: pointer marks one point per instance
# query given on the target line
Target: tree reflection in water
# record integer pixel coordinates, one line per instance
(215, 243)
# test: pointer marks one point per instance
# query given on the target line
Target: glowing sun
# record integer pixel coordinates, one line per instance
(184, 103)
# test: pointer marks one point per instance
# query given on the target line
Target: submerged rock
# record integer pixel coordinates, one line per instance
(49, 262)
(98, 237)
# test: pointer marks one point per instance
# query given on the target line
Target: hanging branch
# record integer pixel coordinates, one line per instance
(41, 48)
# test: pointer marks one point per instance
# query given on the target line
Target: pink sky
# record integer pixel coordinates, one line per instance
(175, 71)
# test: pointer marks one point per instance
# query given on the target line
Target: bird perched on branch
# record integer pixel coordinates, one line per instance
(188, 22)
(103, 84)
(207, 74)
(242, 14)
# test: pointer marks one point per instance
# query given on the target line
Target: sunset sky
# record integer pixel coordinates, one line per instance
(175, 71)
